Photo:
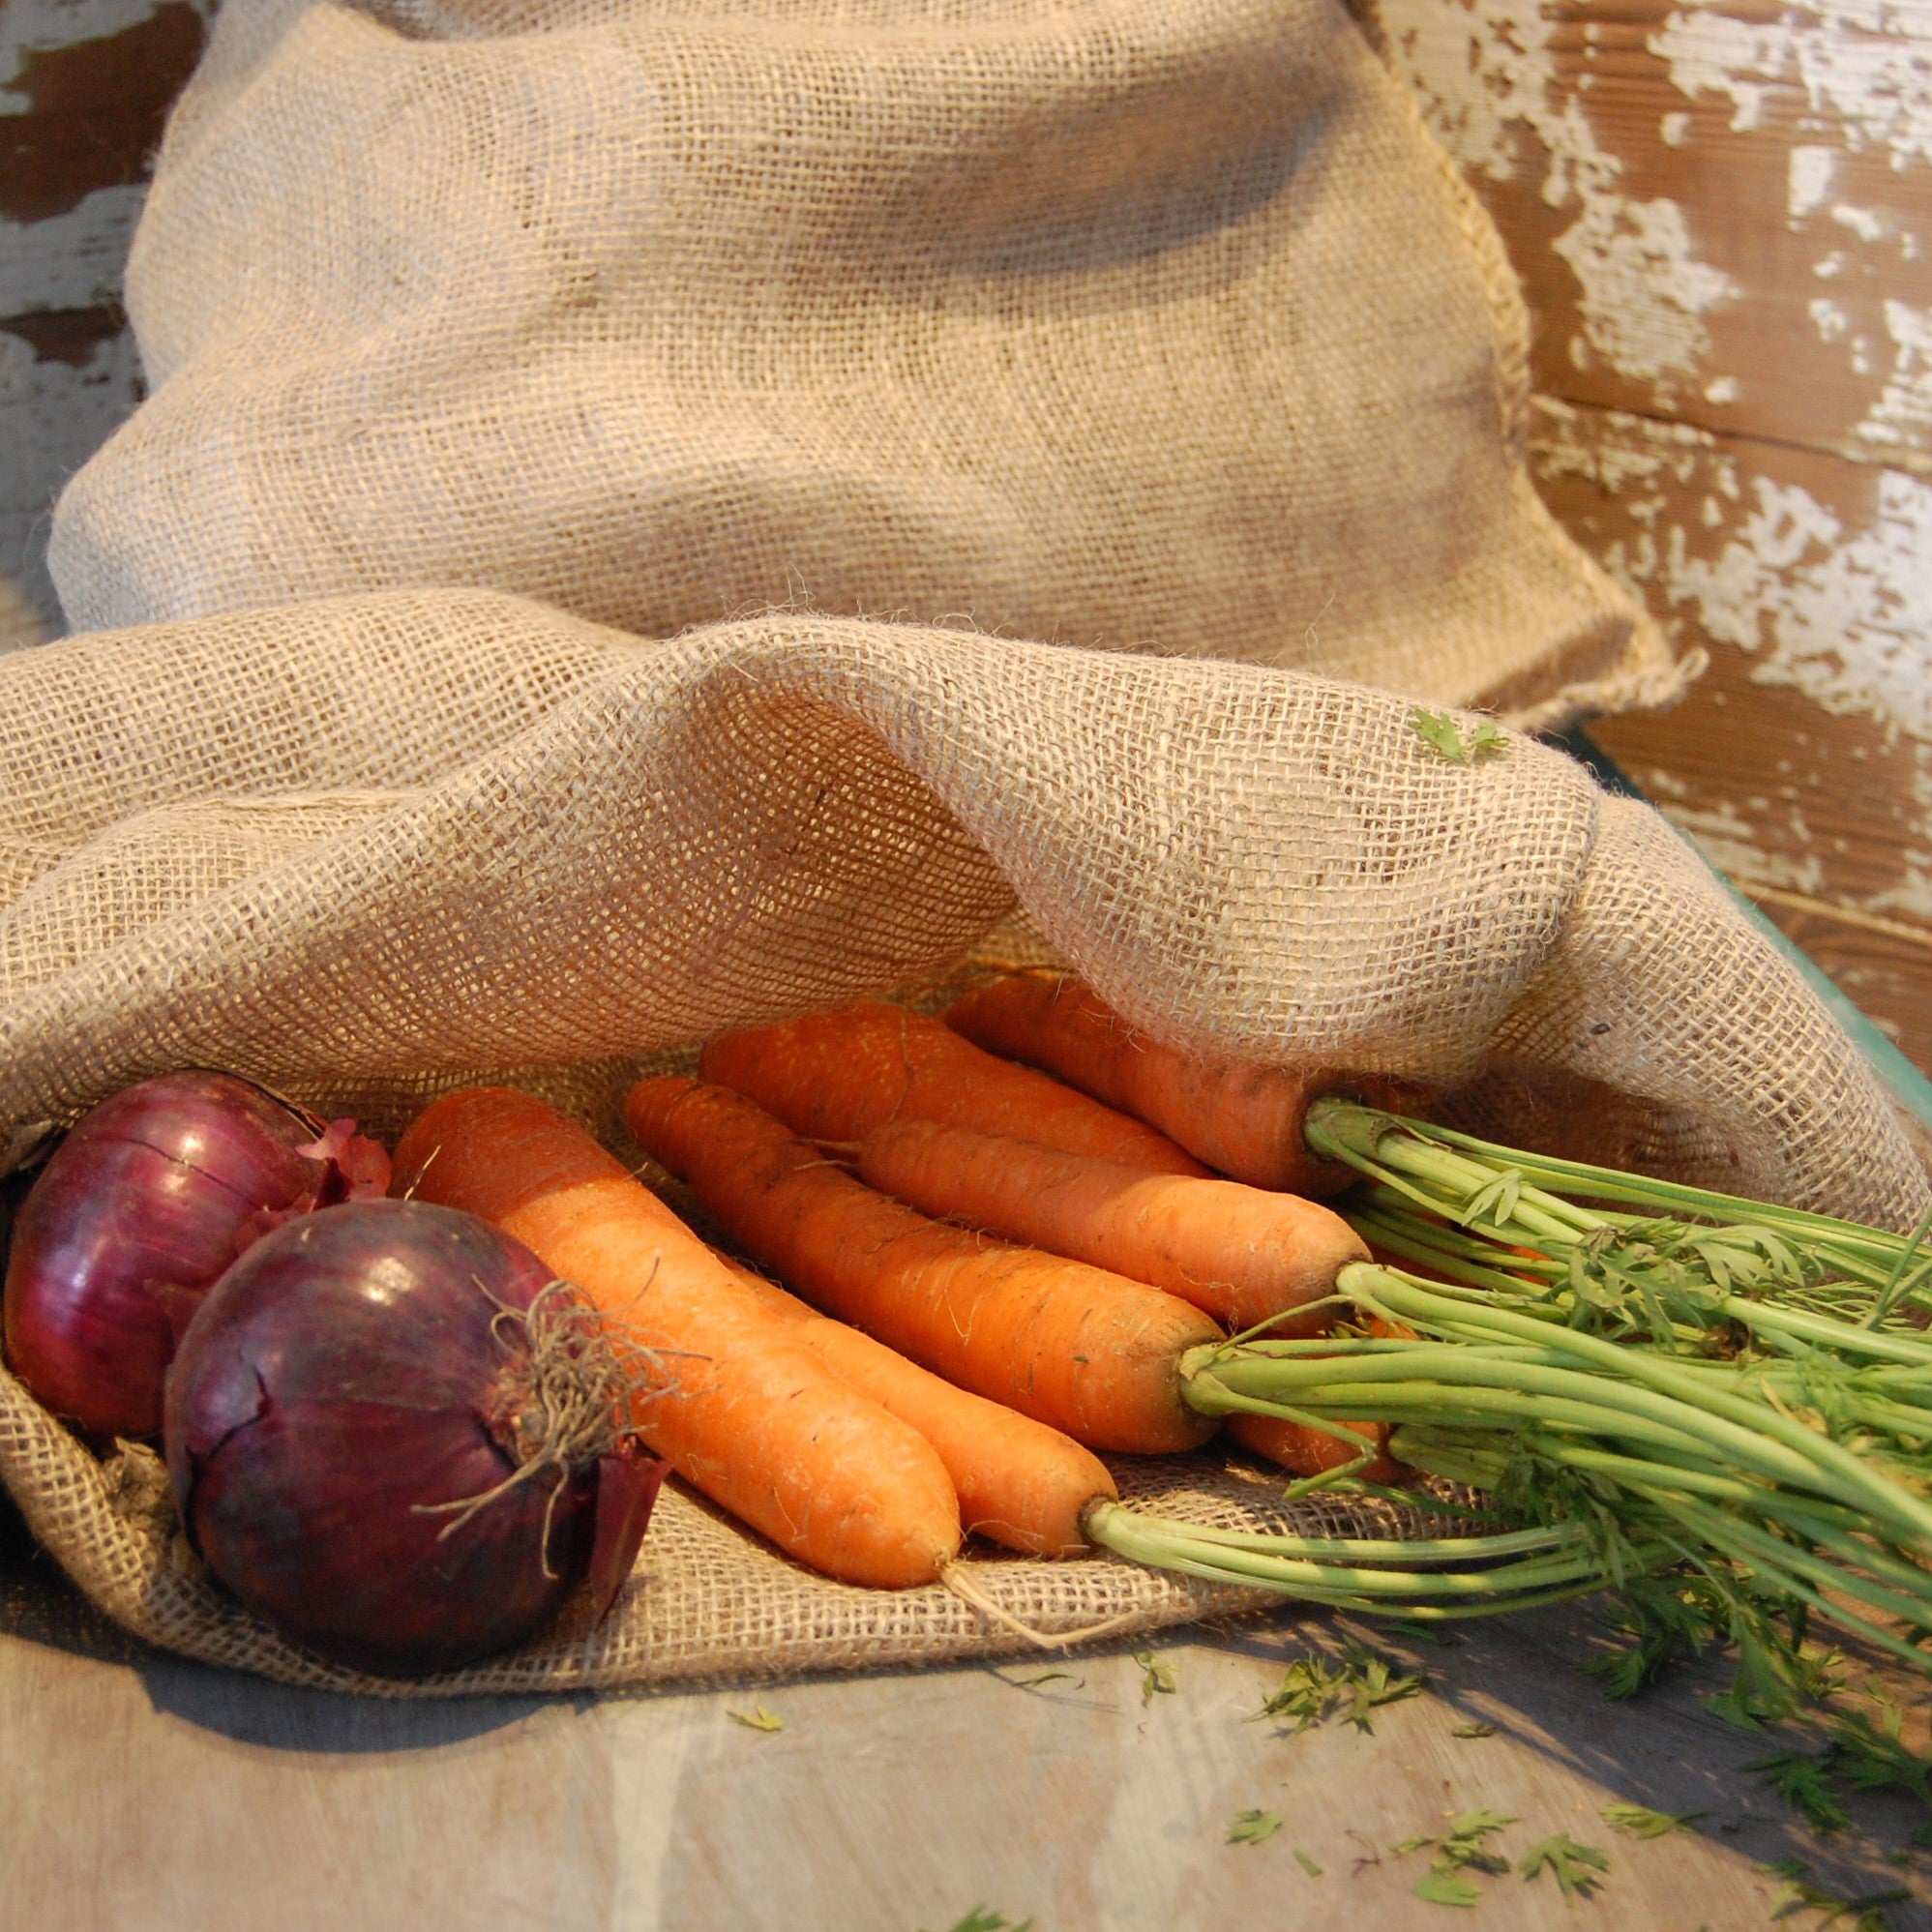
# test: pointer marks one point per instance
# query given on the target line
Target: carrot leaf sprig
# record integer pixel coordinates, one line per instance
(1461, 1849)
(1363, 1682)
(1440, 733)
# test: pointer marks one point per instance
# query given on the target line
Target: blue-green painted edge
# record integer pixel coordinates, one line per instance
(1908, 1085)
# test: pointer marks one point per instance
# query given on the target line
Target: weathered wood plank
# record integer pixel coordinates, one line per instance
(1803, 758)
(85, 86)
(1722, 214)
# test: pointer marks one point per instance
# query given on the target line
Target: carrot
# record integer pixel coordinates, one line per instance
(1020, 1482)
(1243, 1120)
(1309, 1452)
(1243, 1254)
(837, 1075)
(750, 1419)
(1084, 1351)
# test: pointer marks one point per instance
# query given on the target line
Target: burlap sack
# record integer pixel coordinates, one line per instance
(368, 848)
(1156, 324)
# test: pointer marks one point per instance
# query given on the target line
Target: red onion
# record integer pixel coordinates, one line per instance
(392, 1435)
(140, 1209)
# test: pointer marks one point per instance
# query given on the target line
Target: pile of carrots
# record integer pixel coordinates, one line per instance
(998, 1231)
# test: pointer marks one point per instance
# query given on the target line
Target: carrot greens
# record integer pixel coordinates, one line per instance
(1720, 1409)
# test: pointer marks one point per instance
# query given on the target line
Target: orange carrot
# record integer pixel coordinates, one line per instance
(1087, 1352)
(738, 1408)
(1307, 1451)
(837, 1075)
(1020, 1482)
(1243, 1120)
(1243, 1254)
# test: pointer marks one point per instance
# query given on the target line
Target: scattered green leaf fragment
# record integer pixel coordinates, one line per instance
(1638, 1820)
(1437, 730)
(1458, 1852)
(1373, 1681)
(1576, 1868)
(1800, 1780)
(1870, 1753)
(1254, 1828)
(1475, 1825)
(1867, 1911)
(1923, 1835)
(1156, 1678)
(760, 1719)
(1363, 1682)
(1308, 1865)
(1473, 1730)
(983, 1919)
(1307, 1693)
(1440, 1886)
(1785, 1868)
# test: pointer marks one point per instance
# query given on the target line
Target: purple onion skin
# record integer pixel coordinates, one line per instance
(152, 1190)
(341, 1373)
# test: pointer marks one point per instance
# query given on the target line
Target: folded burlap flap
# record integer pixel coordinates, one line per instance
(1154, 324)
(366, 848)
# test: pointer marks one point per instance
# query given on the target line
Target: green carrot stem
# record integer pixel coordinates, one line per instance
(1385, 1232)
(1834, 1529)
(1333, 1130)
(1170, 1545)
(1379, 1551)
(1464, 1401)
(1459, 1382)
(1735, 1420)
(1799, 1572)
(1763, 1317)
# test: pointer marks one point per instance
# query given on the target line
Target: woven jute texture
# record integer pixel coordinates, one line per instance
(368, 848)
(1152, 324)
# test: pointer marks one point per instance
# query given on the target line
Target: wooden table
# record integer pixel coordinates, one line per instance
(137, 1790)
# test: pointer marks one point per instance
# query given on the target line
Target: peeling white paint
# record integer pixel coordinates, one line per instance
(1487, 70)
(1712, 53)
(52, 416)
(1839, 617)
(1836, 611)
(1731, 843)
(68, 261)
(1673, 130)
(1809, 173)
(1831, 321)
(1867, 224)
(1913, 895)
(1861, 63)
(1902, 416)
(27, 25)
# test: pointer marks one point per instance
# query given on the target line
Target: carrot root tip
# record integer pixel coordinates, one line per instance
(955, 1578)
